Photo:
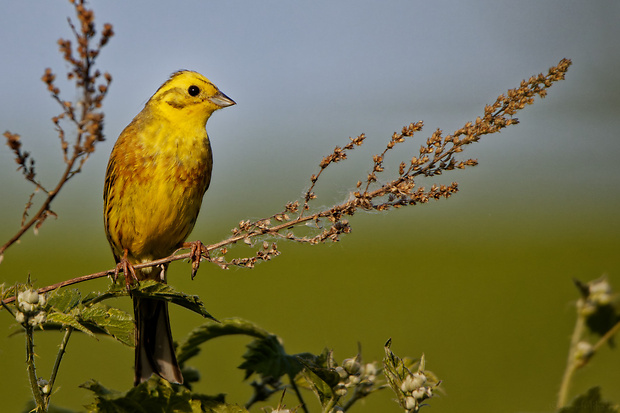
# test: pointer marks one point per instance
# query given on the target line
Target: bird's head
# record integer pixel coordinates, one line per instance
(188, 95)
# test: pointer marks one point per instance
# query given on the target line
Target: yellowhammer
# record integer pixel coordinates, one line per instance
(158, 172)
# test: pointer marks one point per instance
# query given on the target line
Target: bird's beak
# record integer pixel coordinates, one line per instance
(221, 100)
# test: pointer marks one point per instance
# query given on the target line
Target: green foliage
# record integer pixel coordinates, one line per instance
(267, 357)
(66, 308)
(90, 316)
(410, 388)
(161, 291)
(323, 380)
(155, 396)
(190, 347)
(590, 402)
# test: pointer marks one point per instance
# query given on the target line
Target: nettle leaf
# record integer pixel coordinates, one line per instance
(267, 357)
(7, 292)
(111, 321)
(114, 290)
(66, 309)
(71, 319)
(395, 371)
(161, 291)
(322, 380)
(220, 407)
(590, 402)
(64, 301)
(602, 320)
(212, 329)
(155, 395)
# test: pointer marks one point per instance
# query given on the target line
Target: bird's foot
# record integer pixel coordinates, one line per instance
(128, 271)
(197, 249)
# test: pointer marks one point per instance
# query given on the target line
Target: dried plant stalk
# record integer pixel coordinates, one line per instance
(84, 115)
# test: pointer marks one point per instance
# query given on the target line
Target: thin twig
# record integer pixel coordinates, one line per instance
(606, 337)
(298, 394)
(61, 352)
(571, 363)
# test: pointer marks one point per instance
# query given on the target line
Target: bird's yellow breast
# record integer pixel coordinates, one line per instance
(157, 175)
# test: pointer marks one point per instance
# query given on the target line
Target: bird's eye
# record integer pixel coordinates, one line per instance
(193, 90)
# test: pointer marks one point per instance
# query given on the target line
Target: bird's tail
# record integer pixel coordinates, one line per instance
(154, 348)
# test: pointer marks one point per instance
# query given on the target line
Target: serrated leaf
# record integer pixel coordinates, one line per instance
(602, 320)
(97, 318)
(395, 371)
(98, 388)
(64, 301)
(111, 321)
(213, 407)
(67, 320)
(211, 329)
(155, 395)
(267, 357)
(322, 381)
(7, 292)
(590, 402)
(161, 291)
(114, 290)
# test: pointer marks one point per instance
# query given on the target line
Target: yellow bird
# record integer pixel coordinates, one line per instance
(157, 174)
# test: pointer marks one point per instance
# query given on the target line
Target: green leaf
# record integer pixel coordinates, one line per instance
(267, 357)
(158, 396)
(67, 320)
(161, 291)
(395, 372)
(590, 402)
(211, 329)
(64, 301)
(111, 321)
(322, 380)
(7, 292)
(114, 290)
(94, 319)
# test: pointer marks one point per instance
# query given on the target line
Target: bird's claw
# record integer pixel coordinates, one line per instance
(197, 249)
(128, 271)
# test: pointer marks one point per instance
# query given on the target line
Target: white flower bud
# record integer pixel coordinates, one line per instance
(584, 350)
(419, 394)
(600, 286)
(352, 366)
(31, 297)
(20, 317)
(340, 390)
(26, 307)
(39, 318)
(410, 403)
(407, 385)
(353, 380)
(370, 369)
(342, 373)
(419, 379)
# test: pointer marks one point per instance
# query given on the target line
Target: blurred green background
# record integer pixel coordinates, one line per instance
(480, 283)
